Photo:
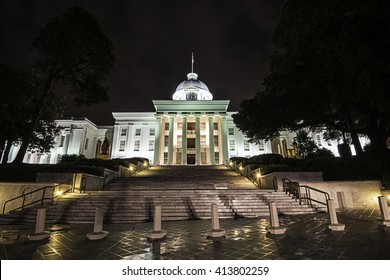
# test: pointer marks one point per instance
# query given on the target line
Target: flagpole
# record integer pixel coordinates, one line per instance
(192, 63)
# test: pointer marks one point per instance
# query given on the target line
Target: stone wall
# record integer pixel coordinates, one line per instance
(345, 193)
(12, 190)
(267, 180)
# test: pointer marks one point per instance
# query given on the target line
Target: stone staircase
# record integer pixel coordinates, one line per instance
(184, 192)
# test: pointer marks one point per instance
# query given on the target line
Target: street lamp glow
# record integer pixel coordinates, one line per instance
(59, 192)
(131, 168)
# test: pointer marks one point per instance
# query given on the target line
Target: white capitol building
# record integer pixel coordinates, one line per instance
(192, 128)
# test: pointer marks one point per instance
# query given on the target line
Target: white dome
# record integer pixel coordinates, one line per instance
(192, 89)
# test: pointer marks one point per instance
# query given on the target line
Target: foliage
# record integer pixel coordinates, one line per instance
(330, 69)
(19, 96)
(72, 158)
(306, 146)
(76, 57)
(69, 164)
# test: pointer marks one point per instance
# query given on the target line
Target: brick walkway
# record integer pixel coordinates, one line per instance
(307, 237)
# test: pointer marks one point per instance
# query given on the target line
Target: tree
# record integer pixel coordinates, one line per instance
(330, 69)
(306, 146)
(76, 56)
(19, 91)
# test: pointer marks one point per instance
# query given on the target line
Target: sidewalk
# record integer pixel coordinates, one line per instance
(307, 237)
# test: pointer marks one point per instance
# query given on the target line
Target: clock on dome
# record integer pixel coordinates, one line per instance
(191, 96)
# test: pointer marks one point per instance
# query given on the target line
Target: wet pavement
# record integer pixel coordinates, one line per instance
(307, 237)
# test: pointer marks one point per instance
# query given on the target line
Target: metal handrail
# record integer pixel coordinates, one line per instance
(296, 191)
(42, 199)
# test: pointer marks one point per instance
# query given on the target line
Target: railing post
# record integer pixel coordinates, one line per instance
(43, 196)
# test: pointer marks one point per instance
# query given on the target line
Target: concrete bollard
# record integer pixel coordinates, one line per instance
(334, 224)
(275, 228)
(40, 232)
(384, 211)
(157, 232)
(215, 232)
(98, 232)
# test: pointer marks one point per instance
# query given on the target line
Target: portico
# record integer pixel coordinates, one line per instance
(190, 132)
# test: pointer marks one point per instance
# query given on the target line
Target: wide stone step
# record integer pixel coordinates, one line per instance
(185, 192)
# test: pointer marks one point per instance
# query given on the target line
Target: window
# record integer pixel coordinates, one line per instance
(138, 132)
(38, 159)
(166, 140)
(122, 145)
(59, 156)
(246, 145)
(179, 140)
(152, 132)
(151, 145)
(179, 126)
(203, 158)
(203, 141)
(28, 158)
(165, 158)
(166, 126)
(318, 140)
(86, 144)
(329, 143)
(215, 126)
(261, 145)
(216, 140)
(232, 145)
(216, 157)
(136, 145)
(178, 158)
(123, 131)
(231, 130)
(202, 126)
(48, 157)
(191, 126)
(62, 141)
(191, 143)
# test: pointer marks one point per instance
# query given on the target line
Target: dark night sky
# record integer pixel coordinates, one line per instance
(153, 41)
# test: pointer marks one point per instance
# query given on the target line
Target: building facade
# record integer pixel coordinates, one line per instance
(192, 128)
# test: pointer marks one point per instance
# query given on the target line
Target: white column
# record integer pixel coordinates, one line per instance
(211, 141)
(197, 141)
(184, 141)
(157, 139)
(170, 141)
(225, 147)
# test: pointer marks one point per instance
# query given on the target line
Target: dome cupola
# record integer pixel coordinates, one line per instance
(192, 89)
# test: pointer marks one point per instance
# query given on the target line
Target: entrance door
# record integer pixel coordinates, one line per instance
(190, 158)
